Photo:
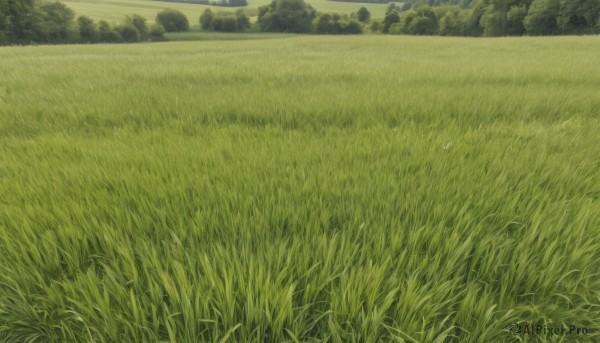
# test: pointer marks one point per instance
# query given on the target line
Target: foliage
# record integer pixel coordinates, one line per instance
(206, 19)
(336, 24)
(452, 23)
(173, 20)
(53, 22)
(542, 17)
(242, 19)
(224, 21)
(294, 16)
(88, 31)
(391, 18)
(497, 18)
(422, 21)
(579, 16)
(157, 32)
(363, 15)
(128, 32)
(375, 26)
(140, 24)
(107, 33)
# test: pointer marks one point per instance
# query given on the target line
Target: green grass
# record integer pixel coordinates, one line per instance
(204, 36)
(115, 10)
(340, 189)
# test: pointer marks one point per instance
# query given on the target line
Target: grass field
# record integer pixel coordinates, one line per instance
(207, 36)
(300, 189)
(114, 10)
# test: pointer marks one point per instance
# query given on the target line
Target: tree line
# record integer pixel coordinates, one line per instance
(33, 22)
(291, 16)
(493, 18)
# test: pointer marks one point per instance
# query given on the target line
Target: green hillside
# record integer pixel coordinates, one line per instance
(114, 10)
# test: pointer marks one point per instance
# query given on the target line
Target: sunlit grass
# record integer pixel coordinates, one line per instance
(342, 189)
(206, 36)
(115, 10)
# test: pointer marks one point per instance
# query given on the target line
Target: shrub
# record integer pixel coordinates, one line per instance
(390, 18)
(375, 26)
(422, 21)
(88, 32)
(107, 34)
(157, 33)
(451, 24)
(128, 32)
(173, 20)
(140, 24)
(224, 23)
(286, 16)
(242, 19)
(206, 19)
(55, 23)
(326, 23)
(542, 17)
(395, 29)
(363, 15)
(353, 28)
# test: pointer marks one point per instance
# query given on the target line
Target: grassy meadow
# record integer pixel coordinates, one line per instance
(115, 10)
(300, 189)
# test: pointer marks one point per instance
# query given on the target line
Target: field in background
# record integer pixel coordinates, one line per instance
(115, 10)
(204, 36)
(307, 188)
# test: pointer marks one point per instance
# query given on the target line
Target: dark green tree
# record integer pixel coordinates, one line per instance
(56, 23)
(578, 16)
(128, 32)
(392, 8)
(108, 34)
(390, 18)
(19, 21)
(206, 19)
(422, 21)
(515, 20)
(157, 33)
(542, 17)
(363, 15)
(242, 19)
(321, 23)
(502, 17)
(352, 28)
(140, 24)
(452, 23)
(472, 18)
(173, 20)
(88, 31)
(224, 22)
(335, 24)
(286, 16)
(4, 22)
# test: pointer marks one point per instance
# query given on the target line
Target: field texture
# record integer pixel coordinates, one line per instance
(114, 10)
(339, 189)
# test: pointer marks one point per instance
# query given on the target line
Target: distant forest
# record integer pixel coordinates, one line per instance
(46, 22)
(33, 21)
(492, 18)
